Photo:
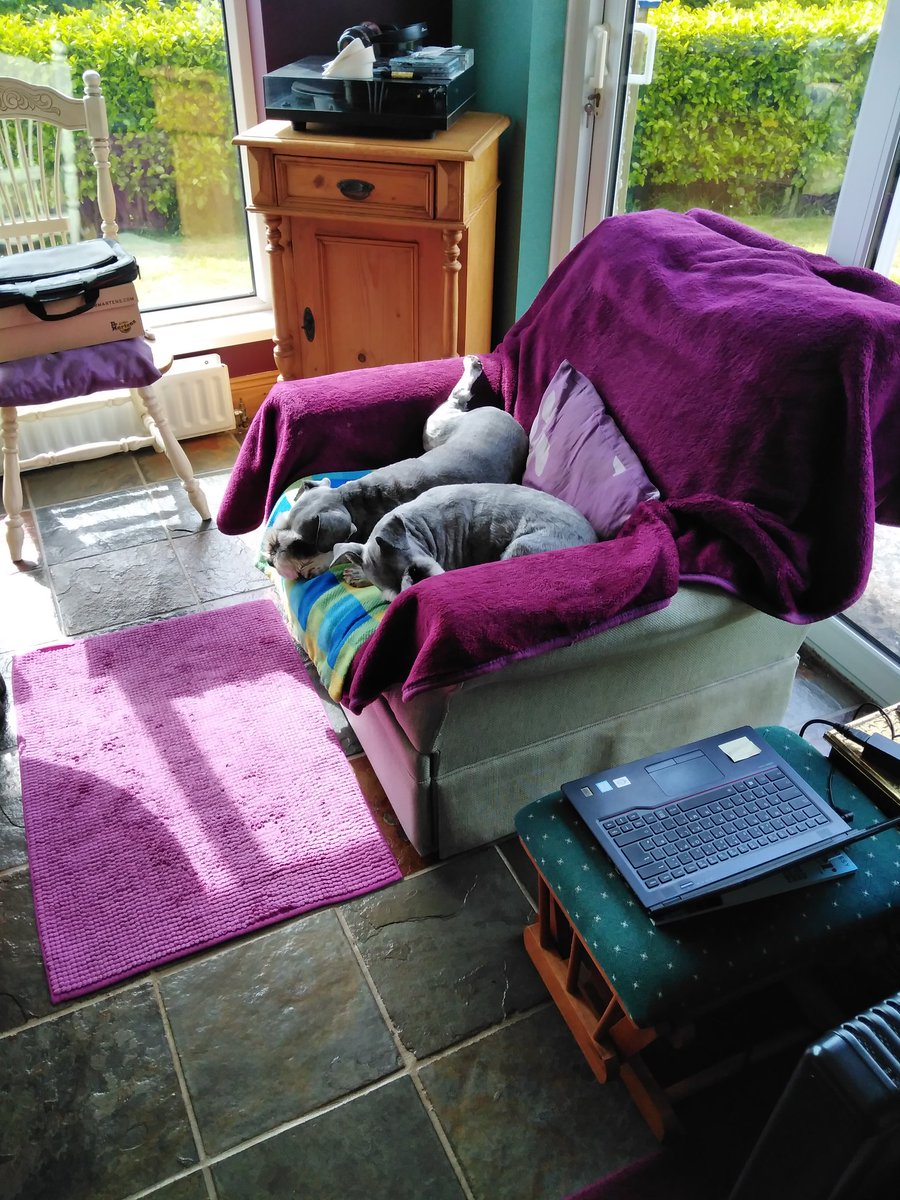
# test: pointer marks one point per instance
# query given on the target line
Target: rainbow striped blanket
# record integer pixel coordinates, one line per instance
(328, 619)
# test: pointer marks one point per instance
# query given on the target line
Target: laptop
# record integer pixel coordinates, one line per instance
(716, 822)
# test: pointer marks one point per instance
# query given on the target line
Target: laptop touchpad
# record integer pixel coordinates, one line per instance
(677, 778)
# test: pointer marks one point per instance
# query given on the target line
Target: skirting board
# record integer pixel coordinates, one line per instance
(249, 391)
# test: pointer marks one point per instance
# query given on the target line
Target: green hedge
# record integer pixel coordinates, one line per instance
(128, 45)
(752, 106)
(748, 105)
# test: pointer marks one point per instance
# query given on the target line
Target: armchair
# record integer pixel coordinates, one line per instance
(758, 386)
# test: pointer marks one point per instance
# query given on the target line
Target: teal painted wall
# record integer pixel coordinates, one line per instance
(518, 60)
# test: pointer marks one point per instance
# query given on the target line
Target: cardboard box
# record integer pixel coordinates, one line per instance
(114, 318)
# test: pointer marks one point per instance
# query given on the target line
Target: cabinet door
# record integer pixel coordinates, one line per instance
(365, 294)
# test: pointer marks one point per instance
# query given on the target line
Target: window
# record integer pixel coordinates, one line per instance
(174, 75)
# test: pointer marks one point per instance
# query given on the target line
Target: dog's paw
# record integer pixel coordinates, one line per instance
(354, 577)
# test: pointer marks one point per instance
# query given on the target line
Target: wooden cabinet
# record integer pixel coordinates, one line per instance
(381, 249)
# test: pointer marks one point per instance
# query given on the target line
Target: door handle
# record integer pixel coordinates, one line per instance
(645, 75)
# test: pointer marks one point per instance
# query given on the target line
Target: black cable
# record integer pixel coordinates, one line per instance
(877, 708)
(818, 721)
(869, 831)
(882, 752)
(829, 792)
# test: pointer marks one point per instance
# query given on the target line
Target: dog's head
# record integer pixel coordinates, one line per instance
(299, 543)
(388, 559)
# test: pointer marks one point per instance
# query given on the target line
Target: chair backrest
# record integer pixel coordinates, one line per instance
(36, 170)
(55, 72)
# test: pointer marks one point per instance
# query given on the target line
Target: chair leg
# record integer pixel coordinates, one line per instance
(12, 485)
(174, 452)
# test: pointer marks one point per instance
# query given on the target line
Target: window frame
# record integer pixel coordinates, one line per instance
(859, 237)
(218, 323)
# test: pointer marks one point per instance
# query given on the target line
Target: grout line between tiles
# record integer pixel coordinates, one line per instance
(516, 879)
(43, 565)
(482, 1034)
(296, 1122)
(183, 1087)
(71, 1006)
(156, 1188)
(410, 1062)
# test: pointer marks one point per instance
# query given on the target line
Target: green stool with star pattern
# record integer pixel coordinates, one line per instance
(621, 982)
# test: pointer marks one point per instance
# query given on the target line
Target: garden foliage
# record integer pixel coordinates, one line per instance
(755, 103)
(137, 50)
(750, 103)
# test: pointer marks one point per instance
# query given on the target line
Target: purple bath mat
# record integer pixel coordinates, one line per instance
(181, 786)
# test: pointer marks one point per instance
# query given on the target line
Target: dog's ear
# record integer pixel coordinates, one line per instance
(315, 483)
(333, 527)
(386, 544)
(347, 552)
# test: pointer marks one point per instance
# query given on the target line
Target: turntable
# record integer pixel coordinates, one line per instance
(412, 96)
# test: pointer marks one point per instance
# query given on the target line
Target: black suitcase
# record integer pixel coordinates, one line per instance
(78, 271)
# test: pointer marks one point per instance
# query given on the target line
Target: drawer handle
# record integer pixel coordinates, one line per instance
(309, 324)
(355, 189)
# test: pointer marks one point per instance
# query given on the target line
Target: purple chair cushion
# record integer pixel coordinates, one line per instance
(68, 373)
(578, 454)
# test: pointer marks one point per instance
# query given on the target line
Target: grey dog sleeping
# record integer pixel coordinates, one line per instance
(460, 526)
(461, 446)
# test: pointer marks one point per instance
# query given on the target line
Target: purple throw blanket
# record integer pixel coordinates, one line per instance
(758, 384)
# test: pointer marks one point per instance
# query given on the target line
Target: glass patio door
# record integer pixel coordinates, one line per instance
(865, 643)
(782, 115)
(749, 111)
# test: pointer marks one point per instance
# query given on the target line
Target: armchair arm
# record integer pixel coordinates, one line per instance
(342, 422)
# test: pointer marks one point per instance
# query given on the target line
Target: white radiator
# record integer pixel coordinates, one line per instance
(195, 393)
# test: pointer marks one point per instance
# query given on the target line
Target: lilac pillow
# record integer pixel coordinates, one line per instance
(578, 453)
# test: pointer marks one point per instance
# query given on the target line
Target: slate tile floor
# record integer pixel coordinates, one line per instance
(400, 1045)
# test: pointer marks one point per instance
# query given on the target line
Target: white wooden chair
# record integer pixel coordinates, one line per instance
(35, 123)
(56, 74)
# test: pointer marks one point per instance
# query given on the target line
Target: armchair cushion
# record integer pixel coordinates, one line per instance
(578, 453)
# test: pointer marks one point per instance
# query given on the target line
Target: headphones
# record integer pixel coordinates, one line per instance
(391, 36)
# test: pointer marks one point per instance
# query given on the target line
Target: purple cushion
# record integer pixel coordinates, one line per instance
(68, 373)
(579, 454)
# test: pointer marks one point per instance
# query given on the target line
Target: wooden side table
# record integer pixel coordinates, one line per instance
(620, 982)
(381, 250)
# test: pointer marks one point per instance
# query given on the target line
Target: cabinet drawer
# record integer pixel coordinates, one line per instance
(391, 189)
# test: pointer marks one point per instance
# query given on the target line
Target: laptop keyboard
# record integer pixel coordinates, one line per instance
(685, 836)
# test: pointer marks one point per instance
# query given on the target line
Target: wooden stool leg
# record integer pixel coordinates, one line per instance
(608, 1038)
(12, 485)
(174, 452)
